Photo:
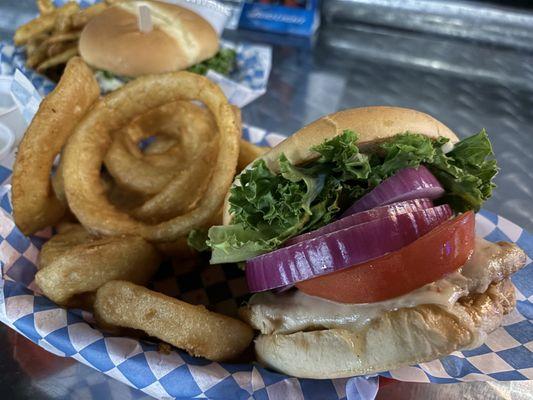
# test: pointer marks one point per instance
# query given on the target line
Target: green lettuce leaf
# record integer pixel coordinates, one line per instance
(340, 157)
(197, 239)
(271, 203)
(404, 150)
(466, 172)
(223, 62)
(270, 208)
(234, 243)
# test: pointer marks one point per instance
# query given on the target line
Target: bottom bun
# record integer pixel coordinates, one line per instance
(402, 337)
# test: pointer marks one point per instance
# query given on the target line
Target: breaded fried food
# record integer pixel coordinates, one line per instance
(42, 24)
(85, 151)
(75, 262)
(80, 19)
(69, 235)
(51, 38)
(35, 206)
(45, 6)
(194, 131)
(193, 328)
(59, 58)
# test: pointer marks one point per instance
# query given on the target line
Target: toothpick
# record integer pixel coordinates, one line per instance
(144, 19)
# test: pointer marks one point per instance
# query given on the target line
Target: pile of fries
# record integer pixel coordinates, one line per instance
(51, 39)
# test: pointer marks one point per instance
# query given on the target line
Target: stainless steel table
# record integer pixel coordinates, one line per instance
(468, 86)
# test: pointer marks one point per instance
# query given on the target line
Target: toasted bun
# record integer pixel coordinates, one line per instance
(403, 337)
(112, 41)
(372, 124)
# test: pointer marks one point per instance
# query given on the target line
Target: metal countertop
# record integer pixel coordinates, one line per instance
(466, 85)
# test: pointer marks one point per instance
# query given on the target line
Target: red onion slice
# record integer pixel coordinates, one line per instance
(341, 249)
(401, 207)
(406, 184)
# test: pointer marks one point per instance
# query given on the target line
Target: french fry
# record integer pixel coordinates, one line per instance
(36, 54)
(39, 25)
(36, 44)
(38, 39)
(83, 16)
(45, 6)
(60, 58)
(63, 37)
(51, 37)
(63, 21)
(35, 59)
(56, 48)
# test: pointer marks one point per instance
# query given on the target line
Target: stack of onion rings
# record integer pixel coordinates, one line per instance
(139, 169)
(86, 149)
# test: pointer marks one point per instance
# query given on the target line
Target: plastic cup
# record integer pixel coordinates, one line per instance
(10, 115)
(7, 140)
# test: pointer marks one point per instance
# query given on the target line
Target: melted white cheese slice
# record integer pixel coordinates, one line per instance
(295, 311)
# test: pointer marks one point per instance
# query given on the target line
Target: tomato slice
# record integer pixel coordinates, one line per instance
(438, 253)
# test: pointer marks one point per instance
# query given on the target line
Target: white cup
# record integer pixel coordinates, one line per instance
(7, 140)
(10, 115)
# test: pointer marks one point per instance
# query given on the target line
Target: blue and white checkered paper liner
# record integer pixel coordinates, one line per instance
(245, 84)
(13, 58)
(506, 355)
(250, 78)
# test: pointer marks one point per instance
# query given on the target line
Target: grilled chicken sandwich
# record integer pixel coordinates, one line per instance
(357, 235)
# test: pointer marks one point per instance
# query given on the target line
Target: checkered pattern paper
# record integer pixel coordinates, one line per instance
(250, 78)
(506, 355)
(13, 58)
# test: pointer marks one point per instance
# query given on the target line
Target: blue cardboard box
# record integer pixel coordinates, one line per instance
(297, 17)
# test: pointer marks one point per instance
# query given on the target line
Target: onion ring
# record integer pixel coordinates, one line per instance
(160, 145)
(84, 153)
(75, 262)
(35, 206)
(181, 194)
(189, 125)
(58, 185)
(193, 328)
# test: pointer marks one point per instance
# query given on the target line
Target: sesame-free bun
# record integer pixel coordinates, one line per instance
(372, 125)
(180, 38)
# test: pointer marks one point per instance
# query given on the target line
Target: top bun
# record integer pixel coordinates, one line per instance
(180, 38)
(372, 125)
